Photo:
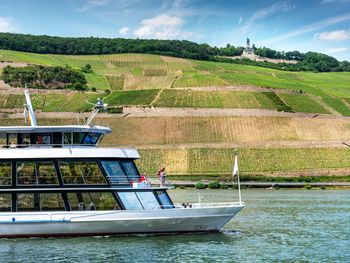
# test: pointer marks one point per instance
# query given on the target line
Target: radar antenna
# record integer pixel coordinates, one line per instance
(97, 107)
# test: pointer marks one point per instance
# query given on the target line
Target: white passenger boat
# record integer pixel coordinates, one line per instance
(56, 181)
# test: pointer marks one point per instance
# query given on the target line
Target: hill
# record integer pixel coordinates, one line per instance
(310, 61)
(222, 85)
(189, 114)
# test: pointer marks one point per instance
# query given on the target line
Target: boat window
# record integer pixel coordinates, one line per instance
(57, 138)
(164, 199)
(2, 140)
(24, 139)
(40, 202)
(42, 139)
(5, 202)
(5, 173)
(46, 173)
(130, 201)
(51, 202)
(36, 173)
(67, 138)
(91, 138)
(131, 170)
(12, 138)
(78, 137)
(148, 200)
(81, 172)
(92, 201)
(115, 172)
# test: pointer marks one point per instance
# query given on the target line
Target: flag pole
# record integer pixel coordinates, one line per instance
(239, 188)
(235, 171)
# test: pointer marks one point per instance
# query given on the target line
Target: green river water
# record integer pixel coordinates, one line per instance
(275, 226)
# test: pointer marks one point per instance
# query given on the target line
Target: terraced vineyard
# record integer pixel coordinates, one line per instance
(132, 97)
(52, 102)
(199, 146)
(203, 162)
(195, 163)
(223, 129)
(302, 103)
(163, 131)
(141, 71)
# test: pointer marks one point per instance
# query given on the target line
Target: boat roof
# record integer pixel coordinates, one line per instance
(69, 152)
(65, 128)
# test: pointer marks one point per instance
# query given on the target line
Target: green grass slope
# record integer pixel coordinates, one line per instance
(142, 71)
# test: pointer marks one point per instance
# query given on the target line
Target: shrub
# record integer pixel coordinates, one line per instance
(115, 110)
(214, 185)
(93, 89)
(307, 186)
(87, 68)
(200, 185)
(107, 92)
(224, 186)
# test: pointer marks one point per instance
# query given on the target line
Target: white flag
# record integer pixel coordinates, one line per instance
(235, 167)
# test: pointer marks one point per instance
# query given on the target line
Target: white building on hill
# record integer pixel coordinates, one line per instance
(248, 52)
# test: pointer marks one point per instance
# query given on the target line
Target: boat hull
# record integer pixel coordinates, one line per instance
(119, 222)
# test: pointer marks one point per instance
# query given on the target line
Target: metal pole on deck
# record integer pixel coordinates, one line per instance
(239, 189)
(29, 108)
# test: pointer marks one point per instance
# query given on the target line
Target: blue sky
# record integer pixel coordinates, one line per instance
(304, 25)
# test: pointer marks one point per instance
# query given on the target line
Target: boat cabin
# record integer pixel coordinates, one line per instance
(49, 168)
(53, 136)
(74, 180)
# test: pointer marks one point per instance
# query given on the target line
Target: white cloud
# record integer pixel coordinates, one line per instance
(124, 31)
(162, 26)
(337, 35)
(310, 28)
(265, 12)
(6, 25)
(337, 50)
(333, 1)
(93, 3)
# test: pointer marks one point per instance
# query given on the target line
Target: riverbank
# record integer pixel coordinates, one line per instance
(257, 184)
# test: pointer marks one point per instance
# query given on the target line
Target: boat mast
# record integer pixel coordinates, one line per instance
(97, 107)
(29, 108)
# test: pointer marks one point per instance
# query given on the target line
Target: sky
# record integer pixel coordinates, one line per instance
(286, 25)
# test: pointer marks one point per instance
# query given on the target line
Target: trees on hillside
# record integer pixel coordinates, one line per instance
(44, 77)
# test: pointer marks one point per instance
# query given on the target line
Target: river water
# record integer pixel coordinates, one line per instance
(275, 226)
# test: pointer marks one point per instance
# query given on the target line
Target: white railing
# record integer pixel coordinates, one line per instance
(207, 205)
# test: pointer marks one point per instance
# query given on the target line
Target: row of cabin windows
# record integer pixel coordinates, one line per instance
(55, 138)
(80, 172)
(86, 201)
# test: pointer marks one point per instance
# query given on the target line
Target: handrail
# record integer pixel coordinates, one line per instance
(21, 146)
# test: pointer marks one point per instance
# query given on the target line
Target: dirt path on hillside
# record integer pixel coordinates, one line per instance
(183, 112)
(12, 64)
(4, 88)
(7, 89)
(272, 144)
(235, 88)
(134, 112)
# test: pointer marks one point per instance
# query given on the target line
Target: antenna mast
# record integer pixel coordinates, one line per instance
(29, 108)
(97, 107)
